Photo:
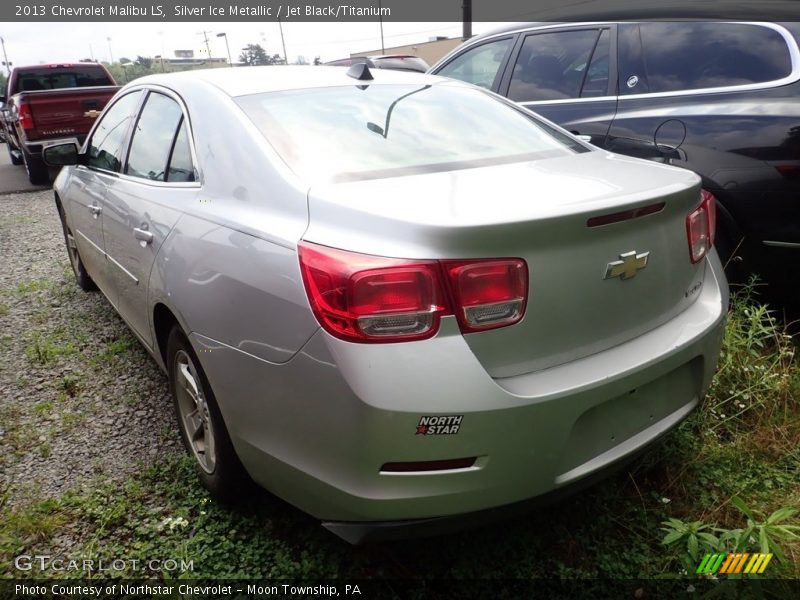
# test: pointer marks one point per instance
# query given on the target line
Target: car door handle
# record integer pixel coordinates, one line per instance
(95, 210)
(143, 235)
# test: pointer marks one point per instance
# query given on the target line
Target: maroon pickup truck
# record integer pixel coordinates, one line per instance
(52, 104)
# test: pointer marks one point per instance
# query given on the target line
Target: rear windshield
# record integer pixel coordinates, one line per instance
(366, 132)
(62, 77)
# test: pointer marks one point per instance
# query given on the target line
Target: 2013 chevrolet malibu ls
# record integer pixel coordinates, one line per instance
(389, 298)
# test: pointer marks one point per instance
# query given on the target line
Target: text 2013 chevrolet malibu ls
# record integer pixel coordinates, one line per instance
(392, 299)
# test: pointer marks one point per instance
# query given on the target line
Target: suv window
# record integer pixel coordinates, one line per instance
(687, 56)
(552, 66)
(478, 65)
(105, 147)
(153, 138)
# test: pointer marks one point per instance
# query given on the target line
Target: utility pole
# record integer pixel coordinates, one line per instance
(110, 54)
(466, 31)
(283, 43)
(380, 18)
(5, 57)
(205, 38)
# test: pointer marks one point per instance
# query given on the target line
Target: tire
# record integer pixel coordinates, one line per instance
(200, 422)
(82, 278)
(37, 170)
(15, 160)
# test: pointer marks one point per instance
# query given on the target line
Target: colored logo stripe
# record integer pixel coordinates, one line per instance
(734, 563)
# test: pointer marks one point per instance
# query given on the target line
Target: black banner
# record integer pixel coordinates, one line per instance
(394, 10)
(241, 589)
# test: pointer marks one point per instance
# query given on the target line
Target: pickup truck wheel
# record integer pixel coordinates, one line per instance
(200, 422)
(82, 278)
(15, 160)
(37, 170)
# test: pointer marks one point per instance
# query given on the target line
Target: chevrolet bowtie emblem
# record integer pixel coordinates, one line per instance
(92, 113)
(627, 265)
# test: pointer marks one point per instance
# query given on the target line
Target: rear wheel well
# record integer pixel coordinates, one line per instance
(163, 322)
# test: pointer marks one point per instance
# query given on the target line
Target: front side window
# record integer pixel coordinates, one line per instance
(348, 133)
(153, 138)
(690, 56)
(553, 66)
(478, 65)
(105, 146)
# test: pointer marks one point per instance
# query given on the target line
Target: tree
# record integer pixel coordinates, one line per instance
(144, 61)
(254, 54)
(317, 61)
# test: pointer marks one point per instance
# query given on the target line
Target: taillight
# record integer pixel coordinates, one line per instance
(367, 298)
(363, 298)
(701, 224)
(488, 294)
(25, 116)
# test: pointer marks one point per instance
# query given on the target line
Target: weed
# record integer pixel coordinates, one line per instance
(43, 408)
(71, 384)
(35, 285)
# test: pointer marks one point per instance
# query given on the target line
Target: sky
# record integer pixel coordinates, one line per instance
(35, 43)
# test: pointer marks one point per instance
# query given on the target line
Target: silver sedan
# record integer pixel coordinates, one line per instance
(394, 300)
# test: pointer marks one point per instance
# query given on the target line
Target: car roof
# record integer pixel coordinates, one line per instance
(242, 81)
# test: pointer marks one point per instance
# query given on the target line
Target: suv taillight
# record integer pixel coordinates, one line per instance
(368, 299)
(701, 224)
(25, 116)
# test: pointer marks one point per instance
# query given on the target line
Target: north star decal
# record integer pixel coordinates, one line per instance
(444, 425)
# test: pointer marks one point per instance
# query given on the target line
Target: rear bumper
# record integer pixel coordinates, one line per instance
(317, 430)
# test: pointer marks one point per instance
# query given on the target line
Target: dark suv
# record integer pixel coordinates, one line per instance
(721, 99)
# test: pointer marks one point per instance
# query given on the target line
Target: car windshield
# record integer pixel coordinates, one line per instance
(373, 131)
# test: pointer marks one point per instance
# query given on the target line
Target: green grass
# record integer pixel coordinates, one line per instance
(741, 448)
(46, 348)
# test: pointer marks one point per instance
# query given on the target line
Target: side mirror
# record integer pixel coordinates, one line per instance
(61, 155)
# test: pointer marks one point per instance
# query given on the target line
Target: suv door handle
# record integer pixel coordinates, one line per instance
(142, 235)
(95, 210)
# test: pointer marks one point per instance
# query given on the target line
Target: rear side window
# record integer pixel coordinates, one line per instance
(553, 66)
(160, 146)
(689, 56)
(62, 77)
(478, 65)
(180, 163)
(153, 138)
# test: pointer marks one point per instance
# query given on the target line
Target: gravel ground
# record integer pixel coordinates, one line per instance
(79, 397)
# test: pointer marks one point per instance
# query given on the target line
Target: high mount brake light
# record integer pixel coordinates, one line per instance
(373, 299)
(701, 224)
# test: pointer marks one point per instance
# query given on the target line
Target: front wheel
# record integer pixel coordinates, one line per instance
(200, 422)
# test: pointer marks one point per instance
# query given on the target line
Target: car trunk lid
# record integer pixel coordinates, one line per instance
(590, 287)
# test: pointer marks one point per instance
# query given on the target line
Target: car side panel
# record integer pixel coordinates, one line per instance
(132, 204)
(235, 288)
(83, 199)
